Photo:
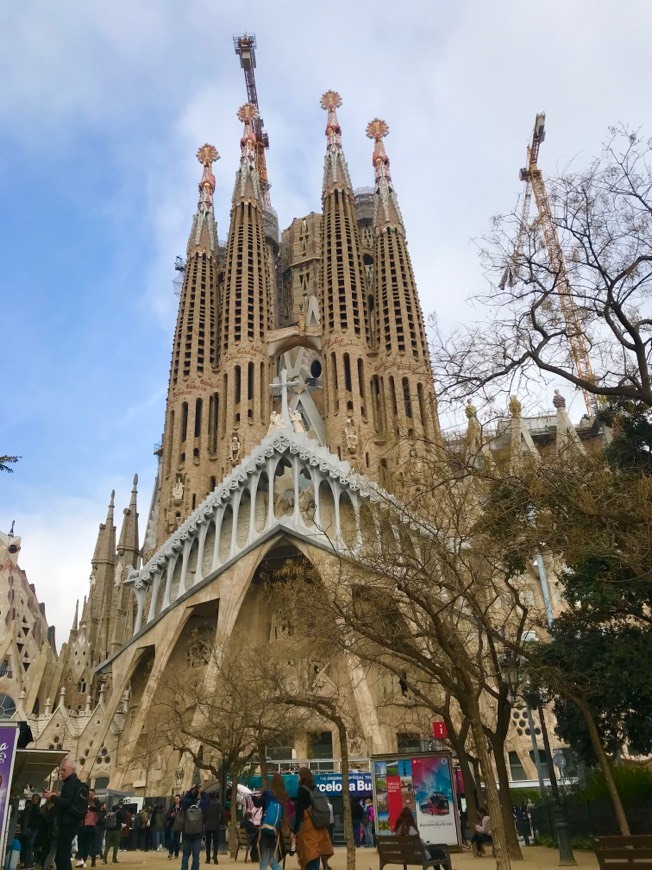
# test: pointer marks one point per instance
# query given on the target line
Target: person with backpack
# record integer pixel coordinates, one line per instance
(193, 804)
(71, 805)
(212, 821)
(114, 821)
(311, 823)
(275, 822)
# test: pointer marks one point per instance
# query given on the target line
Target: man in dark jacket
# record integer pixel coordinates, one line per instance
(212, 822)
(191, 844)
(67, 820)
(114, 821)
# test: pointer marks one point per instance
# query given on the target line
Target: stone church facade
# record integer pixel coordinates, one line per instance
(299, 373)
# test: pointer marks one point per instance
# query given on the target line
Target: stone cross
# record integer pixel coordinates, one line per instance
(284, 384)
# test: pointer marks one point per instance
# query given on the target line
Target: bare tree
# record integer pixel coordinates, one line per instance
(425, 596)
(602, 216)
(221, 712)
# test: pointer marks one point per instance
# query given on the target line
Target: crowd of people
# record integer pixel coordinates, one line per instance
(273, 824)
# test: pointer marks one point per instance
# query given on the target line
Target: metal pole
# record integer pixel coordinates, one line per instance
(535, 748)
(560, 822)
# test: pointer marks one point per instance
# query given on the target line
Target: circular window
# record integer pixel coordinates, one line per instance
(7, 706)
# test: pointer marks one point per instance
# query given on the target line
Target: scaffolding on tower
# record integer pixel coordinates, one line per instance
(535, 184)
(245, 48)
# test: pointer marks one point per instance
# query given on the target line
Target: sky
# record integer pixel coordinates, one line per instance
(102, 109)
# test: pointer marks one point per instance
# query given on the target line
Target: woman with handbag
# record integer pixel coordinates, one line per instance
(313, 842)
(275, 822)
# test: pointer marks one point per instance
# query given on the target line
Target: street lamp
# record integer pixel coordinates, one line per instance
(533, 702)
(560, 822)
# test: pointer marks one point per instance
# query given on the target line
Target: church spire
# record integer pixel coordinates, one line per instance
(189, 436)
(203, 236)
(247, 185)
(405, 405)
(128, 543)
(121, 616)
(105, 544)
(245, 309)
(336, 172)
(345, 316)
(387, 210)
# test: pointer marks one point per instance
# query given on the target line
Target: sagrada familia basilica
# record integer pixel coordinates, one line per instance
(297, 358)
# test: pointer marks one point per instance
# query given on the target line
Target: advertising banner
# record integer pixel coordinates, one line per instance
(424, 784)
(8, 741)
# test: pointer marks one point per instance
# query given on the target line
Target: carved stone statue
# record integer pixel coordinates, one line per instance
(276, 421)
(558, 400)
(235, 450)
(351, 436)
(297, 421)
(177, 490)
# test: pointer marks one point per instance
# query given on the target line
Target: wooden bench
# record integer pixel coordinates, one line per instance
(243, 843)
(624, 853)
(410, 850)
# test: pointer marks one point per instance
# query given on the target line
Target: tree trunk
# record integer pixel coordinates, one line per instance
(458, 742)
(493, 798)
(262, 761)
(233, 822)
(605, 766)
(505, 801)
(346, 800)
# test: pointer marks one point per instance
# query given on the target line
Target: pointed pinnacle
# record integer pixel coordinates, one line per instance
(207, 155)
(377, 130)
(331, 101)
(247, 114)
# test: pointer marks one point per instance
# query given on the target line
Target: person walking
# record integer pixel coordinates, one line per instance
(86, 835)
(275, 821)
(68, 811)
(368, 823)
(114, 821)
(158, 827)
(357, 815)
(212, 822)
(99, 831)
(30, 825)
(174, 826)
(192, 805)
(331, 834)
(313, 841)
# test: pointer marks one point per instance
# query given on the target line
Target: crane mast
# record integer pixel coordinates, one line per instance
(535, 184)
(245, 48)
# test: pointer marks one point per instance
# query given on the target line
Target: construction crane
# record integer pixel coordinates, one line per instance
(534, 184)
(245, 48)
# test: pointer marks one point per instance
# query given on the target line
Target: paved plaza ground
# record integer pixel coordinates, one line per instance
(535, 858)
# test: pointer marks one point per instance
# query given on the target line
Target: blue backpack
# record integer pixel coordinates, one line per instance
(273, 816)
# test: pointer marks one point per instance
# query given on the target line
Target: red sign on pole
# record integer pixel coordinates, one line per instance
(439, 730)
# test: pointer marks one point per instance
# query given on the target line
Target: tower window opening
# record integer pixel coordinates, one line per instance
(407, 399)
(198, 406)
(184, 421)
(170, 437)
(392, 393)
(238, 384)
(250, 381)
(422, 407)
(347, 373)
(213, 416)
